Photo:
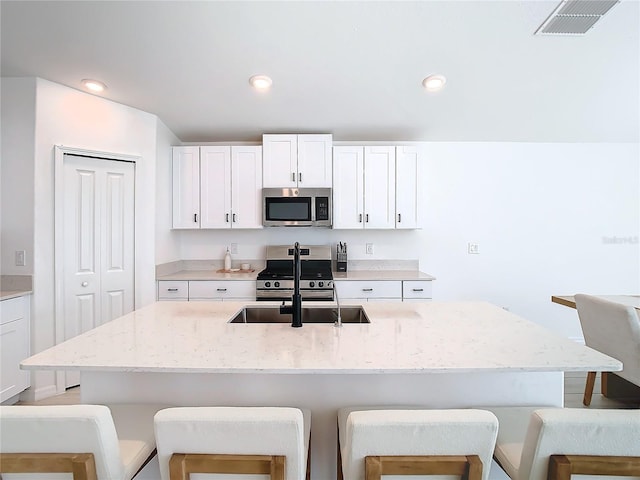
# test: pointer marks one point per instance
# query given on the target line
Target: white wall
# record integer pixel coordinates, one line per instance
(64, 116)
(541, 214)
(18, 102)
(167, 244)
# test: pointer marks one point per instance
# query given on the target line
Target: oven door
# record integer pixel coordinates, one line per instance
(286, 207)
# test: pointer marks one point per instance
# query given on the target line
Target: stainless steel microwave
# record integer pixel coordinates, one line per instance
(296, 207)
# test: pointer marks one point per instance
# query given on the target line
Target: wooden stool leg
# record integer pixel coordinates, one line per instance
(588, 389)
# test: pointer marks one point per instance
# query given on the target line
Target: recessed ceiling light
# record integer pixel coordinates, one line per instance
(260, 82)
(94, 85)
(433, 83)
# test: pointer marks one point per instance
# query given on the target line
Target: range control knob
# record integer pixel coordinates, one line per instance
(321, 284)
(312, 284)
(267, 284)
(276, 284)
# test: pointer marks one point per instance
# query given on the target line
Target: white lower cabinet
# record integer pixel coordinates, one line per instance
(369, 290)
(384, 290)
(15, 318)
(222, 290)
(419, 290)
(216, 290)
(173, 290)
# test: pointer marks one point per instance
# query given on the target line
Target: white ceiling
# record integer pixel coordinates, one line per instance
(353, 69)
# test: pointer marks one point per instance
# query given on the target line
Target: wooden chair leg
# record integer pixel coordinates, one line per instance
(588, 389)
(81, 465)
(467, 467)
(181, 465)
(561, 467)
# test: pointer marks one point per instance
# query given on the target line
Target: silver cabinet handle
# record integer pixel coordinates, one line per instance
(399, 218)
(367, 289)
(360, 218)
(300, 177)
(226, 218)
(234, 218)
(84, 284)
(293, 176)
(221, 289)
(172, 289)
(195, 218)
(418, 290)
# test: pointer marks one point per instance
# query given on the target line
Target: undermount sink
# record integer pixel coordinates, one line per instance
(309, 315)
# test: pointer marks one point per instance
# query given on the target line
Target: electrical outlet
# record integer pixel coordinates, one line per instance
(21, 258)
(234, 248)
(473, 248)
(369, 248)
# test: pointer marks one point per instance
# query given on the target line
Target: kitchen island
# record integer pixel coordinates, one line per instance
(435, 354)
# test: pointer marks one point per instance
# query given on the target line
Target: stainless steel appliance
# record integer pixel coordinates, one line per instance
(296, 207)
(275, 282)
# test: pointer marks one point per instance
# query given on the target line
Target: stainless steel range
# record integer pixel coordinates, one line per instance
(316, 280)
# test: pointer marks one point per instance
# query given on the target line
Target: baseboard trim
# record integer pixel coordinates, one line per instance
(37, 394)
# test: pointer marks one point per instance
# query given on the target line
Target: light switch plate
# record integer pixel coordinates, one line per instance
(21, 258)
(473, 248)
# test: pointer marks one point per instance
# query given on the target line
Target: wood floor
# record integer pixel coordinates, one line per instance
(573, 393)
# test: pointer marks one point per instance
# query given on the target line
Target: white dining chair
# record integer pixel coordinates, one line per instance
(87, 442)
(554, 443)
(613, 329)
(270, 441)
(379, 441)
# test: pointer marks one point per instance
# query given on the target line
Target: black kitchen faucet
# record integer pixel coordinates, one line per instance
(295, 309)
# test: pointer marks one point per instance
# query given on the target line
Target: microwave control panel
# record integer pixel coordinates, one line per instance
(322, 208)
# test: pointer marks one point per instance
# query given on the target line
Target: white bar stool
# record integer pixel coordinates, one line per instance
(537, 443)
(87, 441)
(374, 441)
(271, 441)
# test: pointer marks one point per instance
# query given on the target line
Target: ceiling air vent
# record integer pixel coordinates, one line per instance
(575, 17)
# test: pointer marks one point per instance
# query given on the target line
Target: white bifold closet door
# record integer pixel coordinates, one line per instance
(98, 243)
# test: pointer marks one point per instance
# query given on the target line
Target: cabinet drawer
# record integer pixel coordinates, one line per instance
(416, 289)
(12, 309)
(370, 289)
(173, 290)
(220, 289)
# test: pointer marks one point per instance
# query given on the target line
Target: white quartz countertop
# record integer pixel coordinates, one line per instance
(430, 337)
(382, 275)
(208, 275)
(194, 275)
(8, 294)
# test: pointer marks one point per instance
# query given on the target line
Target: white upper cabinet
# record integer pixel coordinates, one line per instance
(228, 187)
(302, 161)
(407, 184)
(215, 185)
(364, 187)
(379, 187)
(246, 187)
(348, 187)
(186, 187)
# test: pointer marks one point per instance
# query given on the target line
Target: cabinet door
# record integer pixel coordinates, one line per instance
(371, 289)
(407, 181)
(173, 290)
(416, 290)
(215, 187)
(314, 161)
(280, 160)
(348, 187)
(186, 187)
(246, 187)
(379, 187)
(222, 289)
(14, 346)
